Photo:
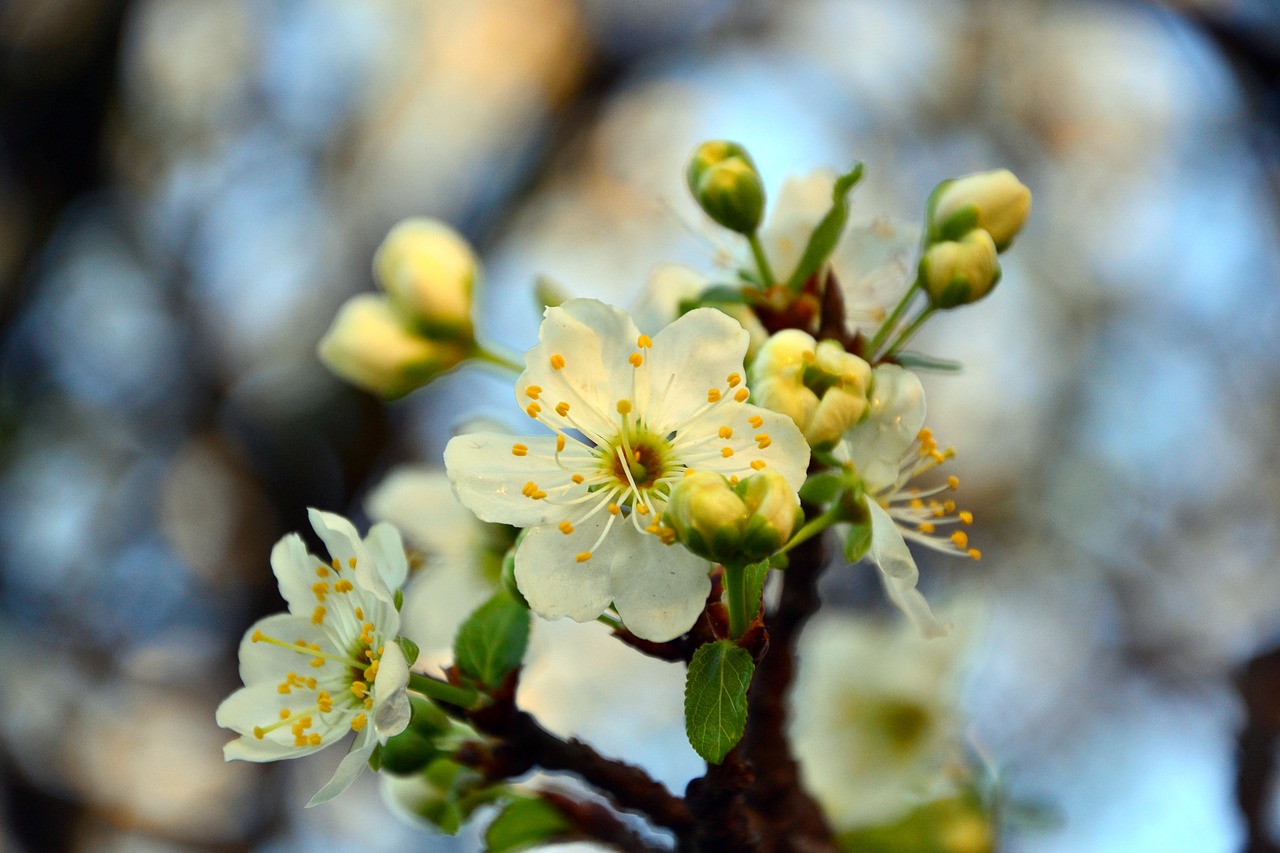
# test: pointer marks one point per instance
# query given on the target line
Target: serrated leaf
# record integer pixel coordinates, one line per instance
(822, 242)
(715, 698)
(858, 543)
(921, 361)
(491, 643)
(523, 823)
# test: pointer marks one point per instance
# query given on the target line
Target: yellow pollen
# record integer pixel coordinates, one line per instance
(756, 421)
(741, 395)
(734, 379)
(533, 391)
(318, 615)
(532, 410)
(614, 509)
(948, 506)
(562, 408)
(636, 359)
(975, 554)
(337, 567)
(925, 434)
(624, 407)
(259, 732)
(578, 478)
(366, 633)
(584, 556)
(557, 362)
(322, 571)
(758, 464)
(538, 495)
(937, 457)
(359, 688)
(529, 488)
(359, 722)
(372, 672)
(352, 562)
(927, 527)
(726, 432)
(916, 503)
(733, 481)
(321, 589)
(325, 701)
(284, 713)
(642, 508)
(314, 739)
(960, 538)
(653, 528)
(565, 527)
(317, 662)
(644, 342)
(519, 450)
(713, 395)
(763, 441)
(359, 613)
(368, 703)
(966, 517)
(688, 472)
(559, 443)
(726, 452)
(343, 585)
(953, 482)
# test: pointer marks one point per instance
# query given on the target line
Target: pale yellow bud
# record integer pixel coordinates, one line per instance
(369, 346)
(707, 516)
(958, 272)
(773, 506)
(837, 412)
(996, 202)
(429, 272)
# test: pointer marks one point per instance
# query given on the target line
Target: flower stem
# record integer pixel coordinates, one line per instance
(813, 527)
(910, 330)
(433, 688)
(496, 359)
(735, 593)
(892, 320)
(762, 262)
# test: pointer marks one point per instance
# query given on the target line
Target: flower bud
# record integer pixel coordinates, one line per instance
(958, 272)
(707, 516)
(773, 507)
(429, 271)
(368, 345)
(997, 202)
(818, 385)
(725, 183)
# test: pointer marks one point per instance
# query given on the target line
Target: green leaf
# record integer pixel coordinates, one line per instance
(755, 575)
(858, 543)
(492, 641)
(715, 698)
(523, 823)
(921, 361)
(822, 488)
(822, 242)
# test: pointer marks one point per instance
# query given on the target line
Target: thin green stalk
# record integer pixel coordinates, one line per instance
(735, 593)
(435, 689)
(496, 359)
(910, 330)
(892, 320)
(813, 527)
(762, 262)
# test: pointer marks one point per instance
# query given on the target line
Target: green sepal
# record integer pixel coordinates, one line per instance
(823, 240)
(507, 574)
(398, 599)
(823, 488)
(409, 647)
(921, 361)
(714, 297)
(492, 642)
(523, 823)
(415, 747)
(858, 542)
(715, 698)
(755, 575)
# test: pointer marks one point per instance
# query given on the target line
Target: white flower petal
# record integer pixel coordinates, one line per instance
(691, 356)
(420, 502)
(802, 202)
(552, 580)
(390, 564)
(349, 768)
(786, 450)
(390, 698)
(659, 589)
(490, 480)
(260, 705)
(339, 537)
(895, 414)
(294, 569)
(264, 662)
(899, 573)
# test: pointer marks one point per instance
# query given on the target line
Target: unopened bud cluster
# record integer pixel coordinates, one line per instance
(818, 385)
(733, 523)
(725, 183)
(969, 221)
(420, 326)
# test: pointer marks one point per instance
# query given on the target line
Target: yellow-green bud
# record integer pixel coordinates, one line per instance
(429, 272)
(369, 346)
(996, 202)
(725, 183)
(773, 508)
(707, 516)
(958, 272)
(818, 385)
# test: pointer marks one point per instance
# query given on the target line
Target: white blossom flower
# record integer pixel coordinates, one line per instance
(876, 718)
(630, 415)
(331, 664)
(888, 450)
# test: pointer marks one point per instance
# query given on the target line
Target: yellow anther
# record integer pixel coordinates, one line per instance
(689, 472)
(368, 703)
(359, 722)
(953, 482)
(966, 517)
(562, 408)
(756, 421)
(960, 539)
(318, 615)
(283, 689)
(359, 688)
(337, 567)
(322, 571)
(925, 434)
(259, 732)
(317, 662)
(343, 585)
(321, 589)
(733, 481)
(559, 443)
(636, 359)
(372, 672)
(937, 457)
(324, 701)
(734, 379)
(916, 503)
(583, 556)
(614, 509)
(359, 613)
(519, 450)
(763, 441)
(578, 478)
(644, 342)
(975, 554)
(310, 682)
(653, 528)
(314, 739)
(926, 527)
(529, 488)
(565, 527)
(741, 395)
(713, 395)
(808, 356)
(533, 391)
(726, 452)
(557, 362)
(366, 633)
(642, 508)
(284, 713)
(257, 637)
(624, 407)
(538, 495)
(948, 506)
(352, 562)
(726, 432)
(758, 464)
(532, 410)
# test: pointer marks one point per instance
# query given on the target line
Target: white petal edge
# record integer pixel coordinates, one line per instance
(489, 479)
(551, 579)
(691, 356)
(349, 768)
(391, 699)
(898, 572)
(659, 590)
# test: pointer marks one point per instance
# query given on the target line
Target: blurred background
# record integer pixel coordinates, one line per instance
(190, 188)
